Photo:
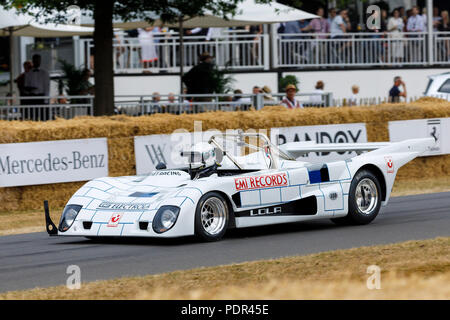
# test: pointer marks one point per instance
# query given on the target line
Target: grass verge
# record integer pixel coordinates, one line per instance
(409, 270)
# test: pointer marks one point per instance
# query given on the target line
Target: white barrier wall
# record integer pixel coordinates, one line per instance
(144, 85)
(372, 83)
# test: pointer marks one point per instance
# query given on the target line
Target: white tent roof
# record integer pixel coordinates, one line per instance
(248, 13)
(26, 25)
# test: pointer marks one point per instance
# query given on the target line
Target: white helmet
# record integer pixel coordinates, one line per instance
(201, 155)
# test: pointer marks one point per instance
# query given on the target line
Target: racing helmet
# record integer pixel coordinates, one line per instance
(202, 155)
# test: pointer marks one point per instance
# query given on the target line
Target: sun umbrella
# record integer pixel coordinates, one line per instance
(13, 23)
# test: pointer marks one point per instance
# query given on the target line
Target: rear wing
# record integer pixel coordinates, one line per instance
(298, 149)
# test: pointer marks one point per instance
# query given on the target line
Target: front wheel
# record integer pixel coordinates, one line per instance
(364, 200)
(211, 217)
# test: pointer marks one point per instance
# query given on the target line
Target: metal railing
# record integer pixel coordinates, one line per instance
(68, 107)
(352, 49)
(442, 47)
(367, 101)
(252, 52)
(43, 108)
(188, 103)
(231, 51)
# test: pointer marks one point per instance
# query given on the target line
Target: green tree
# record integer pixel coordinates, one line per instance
(103, 14)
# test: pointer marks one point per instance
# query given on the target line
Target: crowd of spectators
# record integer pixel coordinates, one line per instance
(330, 24)
(337, 23)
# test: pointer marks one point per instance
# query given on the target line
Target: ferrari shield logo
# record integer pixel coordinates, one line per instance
(114, 220)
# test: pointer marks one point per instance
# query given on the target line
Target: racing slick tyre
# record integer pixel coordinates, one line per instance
(364, 199)
(211, 217)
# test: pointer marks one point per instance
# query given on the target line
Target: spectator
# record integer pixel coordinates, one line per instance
(317, 98)
(155, 105)
(171, 97)
(318, 25)
(256, 31)
(353, 100)
(267, 95)
(416, 22)
(20, 80)
(289, 100)
(37, 83)
(424, 16)
(199, 80)
(444, 26)
(340, 25)
(293, 29)
(237, 98)
(86, 87)
(256, 91)
(217, 35)
(437, 19)
(148, 48)
(402, 13)
(395, 93)
(395, 27)
(239, 101)
(331, 15)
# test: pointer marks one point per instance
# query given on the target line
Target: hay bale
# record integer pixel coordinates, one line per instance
(120, 131)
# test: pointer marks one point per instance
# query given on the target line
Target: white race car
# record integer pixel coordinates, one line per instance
(237, 181)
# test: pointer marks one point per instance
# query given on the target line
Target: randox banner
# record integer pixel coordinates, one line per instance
(46, 162)
(439, 129)
(332, 133)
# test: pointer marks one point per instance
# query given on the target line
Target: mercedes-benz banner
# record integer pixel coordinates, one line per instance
(46, 162)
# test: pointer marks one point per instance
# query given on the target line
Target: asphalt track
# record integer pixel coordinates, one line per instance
(31, 260)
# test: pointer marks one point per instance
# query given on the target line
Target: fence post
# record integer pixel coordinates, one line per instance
(259, 101)
(92, 105)
(141, 102)
(266, 49)
(274, 43)
(328, 99)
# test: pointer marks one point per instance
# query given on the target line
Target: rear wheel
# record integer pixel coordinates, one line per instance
(364, 199)
(211, 217)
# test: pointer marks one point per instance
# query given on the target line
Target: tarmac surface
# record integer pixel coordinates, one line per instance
(35, 259)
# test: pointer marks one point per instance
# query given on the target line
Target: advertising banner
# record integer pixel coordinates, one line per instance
(439, 129)
(333, 133)
(47, 162)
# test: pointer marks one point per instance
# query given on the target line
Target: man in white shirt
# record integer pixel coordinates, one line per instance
(340, 24)
(416, 23)
(37, 83)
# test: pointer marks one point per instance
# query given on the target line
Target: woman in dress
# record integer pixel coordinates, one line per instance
(148, 48)
(395, 29)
